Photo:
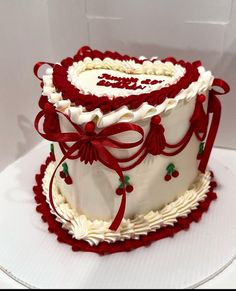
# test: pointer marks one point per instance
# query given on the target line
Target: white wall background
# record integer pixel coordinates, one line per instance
(49, 30)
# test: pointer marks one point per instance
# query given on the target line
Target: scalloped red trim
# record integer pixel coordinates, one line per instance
(108, 248)
(91, 102)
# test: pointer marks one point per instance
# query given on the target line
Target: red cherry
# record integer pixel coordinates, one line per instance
(167, 177)
(201, 98)
(129, 188)
(62, 175)
(68, 180)
(175, 174)
(119, 191)
(52, 157)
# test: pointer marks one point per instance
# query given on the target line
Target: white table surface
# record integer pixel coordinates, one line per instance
(225, 279)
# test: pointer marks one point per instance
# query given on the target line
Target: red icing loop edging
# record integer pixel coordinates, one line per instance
(120, 246)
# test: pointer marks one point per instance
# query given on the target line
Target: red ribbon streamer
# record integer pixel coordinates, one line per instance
(38, 65)
(214, 107)
(98, 142)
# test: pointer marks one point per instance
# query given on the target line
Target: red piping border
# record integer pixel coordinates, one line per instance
(108, 248)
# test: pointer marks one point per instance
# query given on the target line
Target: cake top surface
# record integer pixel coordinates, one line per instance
(107, 87)
(116, 78)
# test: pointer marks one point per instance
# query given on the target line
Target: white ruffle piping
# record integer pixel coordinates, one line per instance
(79, 115)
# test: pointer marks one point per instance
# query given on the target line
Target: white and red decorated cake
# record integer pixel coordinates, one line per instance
(130, 143)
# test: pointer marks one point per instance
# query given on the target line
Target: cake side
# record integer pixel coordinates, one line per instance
(94, 187)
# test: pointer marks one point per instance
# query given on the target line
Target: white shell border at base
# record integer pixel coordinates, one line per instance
(94, 232)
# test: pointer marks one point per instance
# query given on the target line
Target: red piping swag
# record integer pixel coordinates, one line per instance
(214, 108)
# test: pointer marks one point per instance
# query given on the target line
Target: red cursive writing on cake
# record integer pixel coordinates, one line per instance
(130, 83)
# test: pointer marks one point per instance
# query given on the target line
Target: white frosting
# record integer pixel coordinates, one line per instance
(79, 115)
(130, 67)
(80, 227)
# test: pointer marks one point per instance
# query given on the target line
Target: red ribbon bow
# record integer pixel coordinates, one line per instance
(90, 146)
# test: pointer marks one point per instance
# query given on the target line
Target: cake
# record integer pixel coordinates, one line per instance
(130, 139)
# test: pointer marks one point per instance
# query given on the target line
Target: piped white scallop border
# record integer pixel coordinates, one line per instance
(94, 232)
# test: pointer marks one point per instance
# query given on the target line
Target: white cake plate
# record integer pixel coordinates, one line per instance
(33, 257)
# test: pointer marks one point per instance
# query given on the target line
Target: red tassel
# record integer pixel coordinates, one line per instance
(87, 151)
(199, 119)
(155, 140)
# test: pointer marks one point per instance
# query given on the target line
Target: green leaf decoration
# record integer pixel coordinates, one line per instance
(201, 148)
(170, 168)
(126, 180)
(52, 148)
(65, 169)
